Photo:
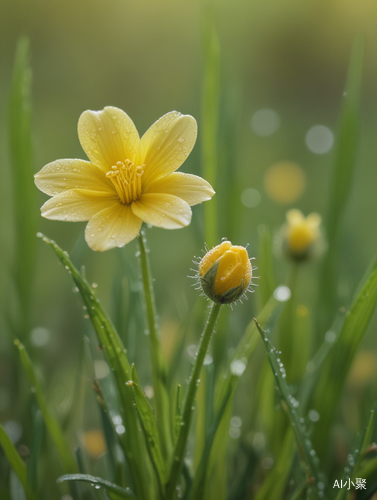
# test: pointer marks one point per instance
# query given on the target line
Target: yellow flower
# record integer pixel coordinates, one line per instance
(127, 181)
(302, 237)
(225, 272)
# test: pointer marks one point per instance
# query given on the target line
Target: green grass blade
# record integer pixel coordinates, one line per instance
(132, 441)
(355, 458)
(200, 478)
(177, 411)
(15, 461)
(342, 177)
(276, 482)
(339, 360)
(248, 343)
(289, 404)
(214, 449)
(209, 126)
(16, 490)
(35, 449)
(52, 424)
(149, 426)
(98, 481)
(24, 192)
(267, 284)
(159, 370)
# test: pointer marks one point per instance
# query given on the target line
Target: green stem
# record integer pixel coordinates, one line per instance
(188, 408)
(158, 365)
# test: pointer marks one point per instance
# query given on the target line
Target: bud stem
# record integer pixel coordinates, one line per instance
(190, 398)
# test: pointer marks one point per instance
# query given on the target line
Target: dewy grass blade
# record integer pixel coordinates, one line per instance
(209, 128)
(132, 441)
(52, 424)
(355, 457)
(149, 426)
(289, 404)
(215, 451)
(99, 482)
(338, 362)
(15, 461)
(342, 178)
(158, 364)
(24, 192)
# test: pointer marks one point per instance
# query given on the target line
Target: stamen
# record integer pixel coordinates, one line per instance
(126, 179)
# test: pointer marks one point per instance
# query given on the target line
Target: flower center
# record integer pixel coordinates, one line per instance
(126, 179)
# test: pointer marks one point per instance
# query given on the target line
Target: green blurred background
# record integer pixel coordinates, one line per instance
(289, 58)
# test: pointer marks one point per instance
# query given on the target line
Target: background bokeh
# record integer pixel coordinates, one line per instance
(283, 70)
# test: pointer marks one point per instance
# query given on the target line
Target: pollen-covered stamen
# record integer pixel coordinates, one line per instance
(126, 179)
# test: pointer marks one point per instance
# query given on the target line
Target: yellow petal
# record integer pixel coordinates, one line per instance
(191, 188)
(108, 136)
(115, 226)
(162, 210)
(166, 145)
(76, 205)
(62, 175)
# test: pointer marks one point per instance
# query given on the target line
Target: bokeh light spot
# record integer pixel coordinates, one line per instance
(319, 139)
(101, 368)
(265, 122)
(250, 198)
(282, 293)
(284, 182)
(39, 336)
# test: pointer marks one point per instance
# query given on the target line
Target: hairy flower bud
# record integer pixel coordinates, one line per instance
(225, 273)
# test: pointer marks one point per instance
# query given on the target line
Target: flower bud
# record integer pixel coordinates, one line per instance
(302, 237)
(225, 273)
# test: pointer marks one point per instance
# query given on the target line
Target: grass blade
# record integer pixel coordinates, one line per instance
(342, 177)
(24, 192)
(149, 426)
(304, 446)
(265, 266)
(98, 481)
(339, 359)
(132, 441)
(215, 448)
(209, 128)
(52, 424)
(35, 449)
(177, 412)
(15, 461)
(357, 455)
(161, 397)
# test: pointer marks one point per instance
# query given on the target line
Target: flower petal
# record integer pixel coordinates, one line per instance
(166, 145)
(77, 205)
(115, 226)
(62, 175)
(108, 136)
(190, 188)
(162, 210)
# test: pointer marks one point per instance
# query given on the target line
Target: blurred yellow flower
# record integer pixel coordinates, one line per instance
(225, 272)
(302, 237)
(127, 181)
(94, 442)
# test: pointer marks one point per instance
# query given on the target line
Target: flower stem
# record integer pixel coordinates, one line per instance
(190, 398)
(158, 365)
